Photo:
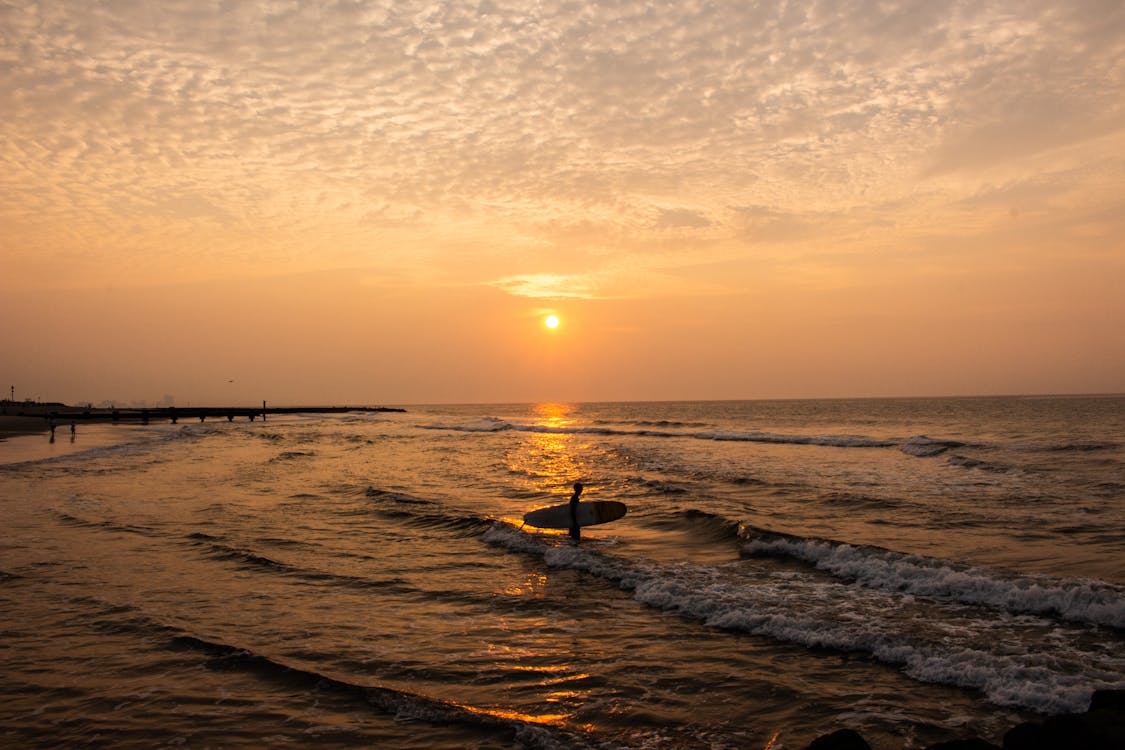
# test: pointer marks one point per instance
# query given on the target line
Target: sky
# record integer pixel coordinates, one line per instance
(378, 202)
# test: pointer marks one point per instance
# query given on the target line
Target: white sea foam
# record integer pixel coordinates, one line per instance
(1075, 600)
(929, 643)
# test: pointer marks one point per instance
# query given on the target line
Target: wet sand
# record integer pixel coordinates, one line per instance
(30, 439)
(12, 426)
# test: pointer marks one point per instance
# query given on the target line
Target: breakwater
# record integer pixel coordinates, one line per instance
(55, 414)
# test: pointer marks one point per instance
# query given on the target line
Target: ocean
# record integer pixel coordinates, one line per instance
(918, 570)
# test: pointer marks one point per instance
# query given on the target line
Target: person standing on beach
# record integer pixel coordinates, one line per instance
(575, 531)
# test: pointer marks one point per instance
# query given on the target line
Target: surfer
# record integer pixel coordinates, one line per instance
(575, 530)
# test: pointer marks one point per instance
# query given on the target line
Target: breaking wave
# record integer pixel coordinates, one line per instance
(1079, 600)
(929, 642)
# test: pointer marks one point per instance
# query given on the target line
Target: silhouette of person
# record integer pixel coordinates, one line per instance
(575, 531)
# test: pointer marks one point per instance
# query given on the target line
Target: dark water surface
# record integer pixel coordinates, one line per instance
(917, 570)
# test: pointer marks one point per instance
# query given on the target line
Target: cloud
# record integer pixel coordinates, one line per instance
(675, 218)
(546, 286)
(318, 135)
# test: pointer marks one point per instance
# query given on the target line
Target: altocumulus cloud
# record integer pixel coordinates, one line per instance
(367, 133)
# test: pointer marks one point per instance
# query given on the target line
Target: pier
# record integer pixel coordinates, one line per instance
(55, 414)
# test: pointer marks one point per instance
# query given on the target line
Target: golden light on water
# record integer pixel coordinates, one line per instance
(499, 713)
(553, 414)
(534, 586)
(546, 458)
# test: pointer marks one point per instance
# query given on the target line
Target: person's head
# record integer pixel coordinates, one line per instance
(577, 488)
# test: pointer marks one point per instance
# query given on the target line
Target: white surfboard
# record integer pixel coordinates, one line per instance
(589, 513)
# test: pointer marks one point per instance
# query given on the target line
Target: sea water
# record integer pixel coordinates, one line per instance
(917, 570)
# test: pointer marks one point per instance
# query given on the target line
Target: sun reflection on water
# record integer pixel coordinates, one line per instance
(547, 458)
(554, 414)
(533, 586)
(508, 714)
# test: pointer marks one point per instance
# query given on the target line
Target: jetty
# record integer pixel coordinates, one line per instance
(54, 414)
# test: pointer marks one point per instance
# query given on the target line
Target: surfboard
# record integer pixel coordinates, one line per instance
(589, 513)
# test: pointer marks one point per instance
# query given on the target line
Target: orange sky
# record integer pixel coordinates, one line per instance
(378, 202)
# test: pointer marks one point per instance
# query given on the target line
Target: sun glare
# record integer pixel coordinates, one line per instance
(551, 321)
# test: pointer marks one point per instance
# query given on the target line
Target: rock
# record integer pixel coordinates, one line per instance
(1108, 700)
(973, 743)
(841, 739)
(1101, 728)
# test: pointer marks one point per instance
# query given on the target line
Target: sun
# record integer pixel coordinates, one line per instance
(551, 321)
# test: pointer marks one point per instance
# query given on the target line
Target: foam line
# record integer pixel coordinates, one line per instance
(948, 647)
(1075, 600)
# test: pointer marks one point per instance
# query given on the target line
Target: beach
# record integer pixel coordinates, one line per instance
(915, 571)
(10, 426)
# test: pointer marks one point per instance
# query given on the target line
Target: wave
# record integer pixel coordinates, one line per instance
(403, 705)
(699, 524)
(657, 486)
(664, 423)
(124, 528)
(427, 513)
(921, 446)
(1074, 600)
(663, 488)
(917, 446)
(832, 441)
(397, 497)
(972, 463)
(1083, 447)
(853, 500)
(827, 441)
(486, 424)
(292, 455)
(950, 646)
(215, 548)
(245, 557)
